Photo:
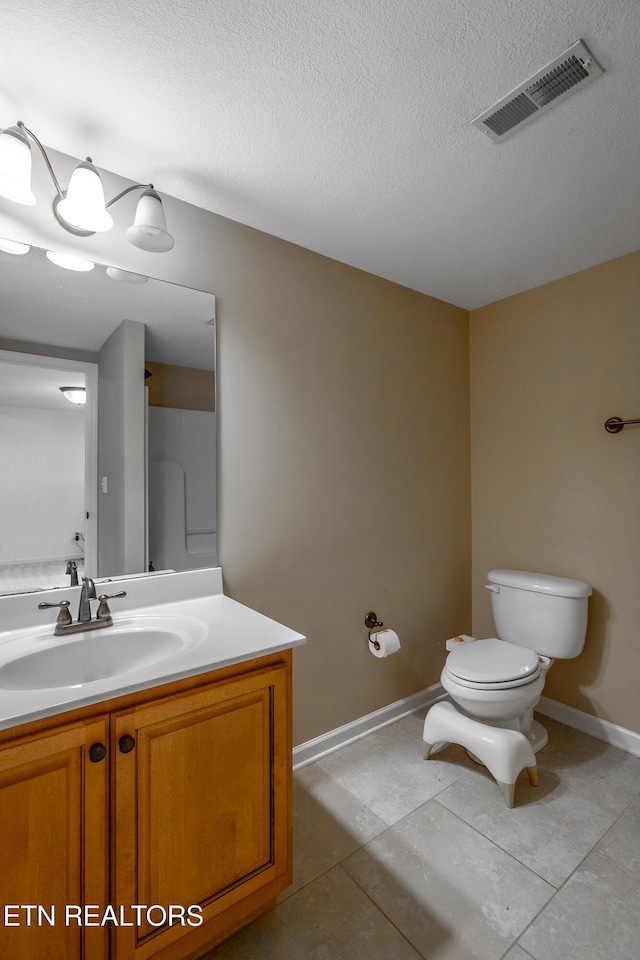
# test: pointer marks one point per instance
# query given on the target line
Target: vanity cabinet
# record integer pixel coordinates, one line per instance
(188, 817)
(54, 819)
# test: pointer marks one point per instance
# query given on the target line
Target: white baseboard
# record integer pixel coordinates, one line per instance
(611, 733)
(313, 750)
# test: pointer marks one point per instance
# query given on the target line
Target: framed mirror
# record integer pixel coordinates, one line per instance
(126, 482)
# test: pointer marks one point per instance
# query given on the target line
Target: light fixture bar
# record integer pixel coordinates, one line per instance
(123, 193)
(44, 155)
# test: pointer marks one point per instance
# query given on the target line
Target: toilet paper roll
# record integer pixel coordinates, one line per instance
(388, 641)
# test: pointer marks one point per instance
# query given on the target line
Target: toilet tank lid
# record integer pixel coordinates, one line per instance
(540, 583)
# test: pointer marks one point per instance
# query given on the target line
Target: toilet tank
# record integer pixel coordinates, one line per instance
(544, 613)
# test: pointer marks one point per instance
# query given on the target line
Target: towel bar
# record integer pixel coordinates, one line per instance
(615, 424)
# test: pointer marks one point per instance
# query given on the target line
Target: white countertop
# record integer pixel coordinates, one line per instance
(223, 632)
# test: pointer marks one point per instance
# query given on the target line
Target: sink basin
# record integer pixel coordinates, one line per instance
(97, 656)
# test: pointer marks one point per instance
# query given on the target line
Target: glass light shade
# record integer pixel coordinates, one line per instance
(12, 246)
(70, 262)
(15, 166)
(149, 230)
(84, 206)
(77, 395)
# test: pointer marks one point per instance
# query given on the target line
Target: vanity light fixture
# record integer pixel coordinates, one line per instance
(82, 209)
(77, 395)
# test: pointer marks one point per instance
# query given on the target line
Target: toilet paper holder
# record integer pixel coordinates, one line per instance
(371, 622)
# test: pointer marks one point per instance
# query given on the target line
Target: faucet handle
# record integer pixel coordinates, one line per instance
(64, 617)
(103, 607)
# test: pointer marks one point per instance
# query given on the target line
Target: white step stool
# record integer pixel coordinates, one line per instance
(505, 753)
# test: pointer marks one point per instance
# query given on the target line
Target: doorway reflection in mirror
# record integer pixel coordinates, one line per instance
(42, 438)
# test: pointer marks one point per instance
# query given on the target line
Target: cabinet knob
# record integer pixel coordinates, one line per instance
(126, 743)
(97, 752)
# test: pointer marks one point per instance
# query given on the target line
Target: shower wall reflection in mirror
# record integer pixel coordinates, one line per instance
(125, 483)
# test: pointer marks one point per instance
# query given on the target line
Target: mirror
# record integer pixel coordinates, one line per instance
(125, 484)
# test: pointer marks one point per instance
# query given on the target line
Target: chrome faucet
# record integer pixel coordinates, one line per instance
(64, 623)
(72, 570)
(87, 593)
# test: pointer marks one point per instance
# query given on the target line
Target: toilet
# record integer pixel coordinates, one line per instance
(498, 681)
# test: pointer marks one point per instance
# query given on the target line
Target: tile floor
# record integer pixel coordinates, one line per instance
(401, 859)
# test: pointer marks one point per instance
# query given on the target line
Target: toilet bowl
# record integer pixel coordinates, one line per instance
(498, 681)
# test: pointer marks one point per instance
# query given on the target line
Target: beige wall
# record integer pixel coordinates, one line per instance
(552, 491)
(344, 476)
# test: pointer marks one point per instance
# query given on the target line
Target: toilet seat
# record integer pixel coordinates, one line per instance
(492, 664)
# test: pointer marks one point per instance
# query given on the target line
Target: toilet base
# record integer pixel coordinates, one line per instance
(505, 753)
(537, 736)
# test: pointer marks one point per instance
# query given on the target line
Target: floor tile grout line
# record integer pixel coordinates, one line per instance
(533, 920)
(379, 908)
(570, 790)
(529, 870)
(614, 824)
(489, 840)
(557, 888)
(591, 851)
(366, 843)
(504, 850)
(573, 788)
(515, 943)
(364, 803)
(354, 796)
(615, 865)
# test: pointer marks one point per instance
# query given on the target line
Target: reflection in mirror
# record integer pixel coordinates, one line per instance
(47, 442)
(125, 484)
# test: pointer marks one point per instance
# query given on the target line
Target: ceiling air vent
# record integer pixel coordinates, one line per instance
(560, 78)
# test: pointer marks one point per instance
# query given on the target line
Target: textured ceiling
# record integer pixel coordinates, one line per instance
(344, 126)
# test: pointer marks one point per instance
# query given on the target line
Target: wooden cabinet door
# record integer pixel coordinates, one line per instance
(54, 844)
(202, 811)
